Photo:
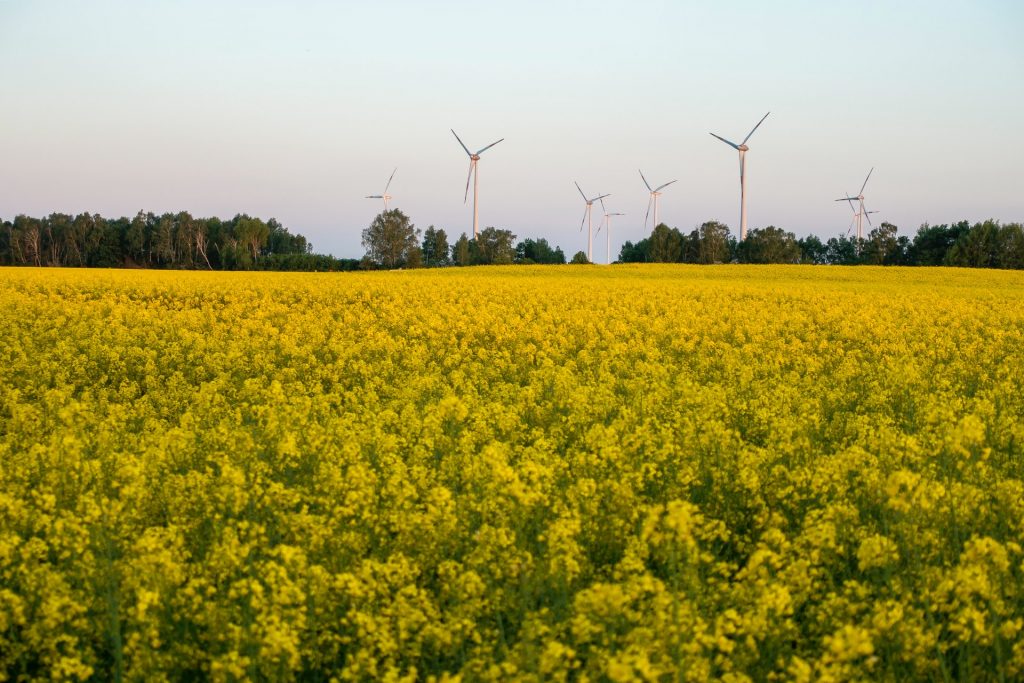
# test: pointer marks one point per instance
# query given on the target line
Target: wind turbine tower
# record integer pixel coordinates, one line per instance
(655, 193)
(608, 230)
(862, 213)
(474, 158)
(586, 219)
(384, 196)
(743, 149)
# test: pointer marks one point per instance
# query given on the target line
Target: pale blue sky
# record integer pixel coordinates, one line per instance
(298, 110)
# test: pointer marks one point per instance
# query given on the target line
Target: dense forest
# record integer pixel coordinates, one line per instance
(982, 245)
(178, 240)
(170, 240)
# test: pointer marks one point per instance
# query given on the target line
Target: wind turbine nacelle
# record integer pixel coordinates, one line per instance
(743, 148)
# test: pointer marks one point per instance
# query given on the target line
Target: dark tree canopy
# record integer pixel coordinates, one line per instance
(392, 241)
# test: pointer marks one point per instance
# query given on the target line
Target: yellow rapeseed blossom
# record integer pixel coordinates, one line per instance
(630, 473)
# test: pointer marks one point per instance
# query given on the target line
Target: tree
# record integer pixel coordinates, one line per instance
(932, 243)
(391, 240)
(494, 246)
(710, 243)
(882, 246)
(538, 251)
(666, 244)
(812, 250)
(435, 247)
(1011, 246)
(978, 247)
(769, 245)
(842, 251)
(635, 253)
(461, 252)
(579, 257)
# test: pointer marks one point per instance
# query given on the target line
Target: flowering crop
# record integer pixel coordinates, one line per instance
(529, 473)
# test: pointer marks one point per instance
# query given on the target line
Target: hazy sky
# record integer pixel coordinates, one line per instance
(297, 110)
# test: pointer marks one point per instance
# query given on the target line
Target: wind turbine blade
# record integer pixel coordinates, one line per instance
(488, 147)
(602, 197)
(755, 128)
(581, 191)
(731, 144)
(390, 179)
(584, 219)
(647, 215)
(374, 196)
(468, 153)
(866, 180)
(665, 185)
(468, 177)
(869, 218)
(603, 210)
(645, 181)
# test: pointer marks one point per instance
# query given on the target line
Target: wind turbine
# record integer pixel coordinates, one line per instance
(384, 196)
(608, 231)
(742, 149)
(655, 193)
(586, 219)
(860, 215)
(474, 174)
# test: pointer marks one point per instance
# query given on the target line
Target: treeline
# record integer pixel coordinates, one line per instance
(170, 240)
(392, 241)
(983, 245)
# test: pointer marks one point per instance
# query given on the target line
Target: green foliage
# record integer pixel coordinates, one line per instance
(392, 241)
(709, 243)
(666, 244)
(538, 251)
(494, 247)
(461, 252)
(769, 245)
(435, 247)
(579, 258)
(635, 253)
(812, 250)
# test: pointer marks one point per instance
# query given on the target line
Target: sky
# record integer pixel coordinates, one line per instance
(297, 110)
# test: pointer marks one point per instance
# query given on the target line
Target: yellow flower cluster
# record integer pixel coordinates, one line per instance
(531, 473)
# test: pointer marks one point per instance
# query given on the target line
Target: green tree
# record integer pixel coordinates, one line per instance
(978, 247)
(579, 257)
(666, 244)
(391, 240)
(494, 246)
(1011, 246)
(635, 253)
(435, 247)
(812, 250)
(932, 243)
(538, 251)
(882, 246)
(710, 243)
(769, 245)
(461, 252)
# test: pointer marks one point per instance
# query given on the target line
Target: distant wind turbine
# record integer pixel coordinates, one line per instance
(655, 193)
(384, 196)
(742, 149)
(474, 157)
(862, 213)
(586, 219)
(608, 229)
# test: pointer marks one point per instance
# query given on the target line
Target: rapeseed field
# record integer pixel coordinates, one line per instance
(525, 473)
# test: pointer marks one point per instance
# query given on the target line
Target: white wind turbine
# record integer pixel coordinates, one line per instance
(586, 219)
(655, 193)
(860, 215)
(608, 229)
(474, 174)
(742, 149)
(384, 196)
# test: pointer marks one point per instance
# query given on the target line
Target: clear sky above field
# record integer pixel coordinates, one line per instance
(298, 110)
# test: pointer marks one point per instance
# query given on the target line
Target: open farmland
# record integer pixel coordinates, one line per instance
(660, 472)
